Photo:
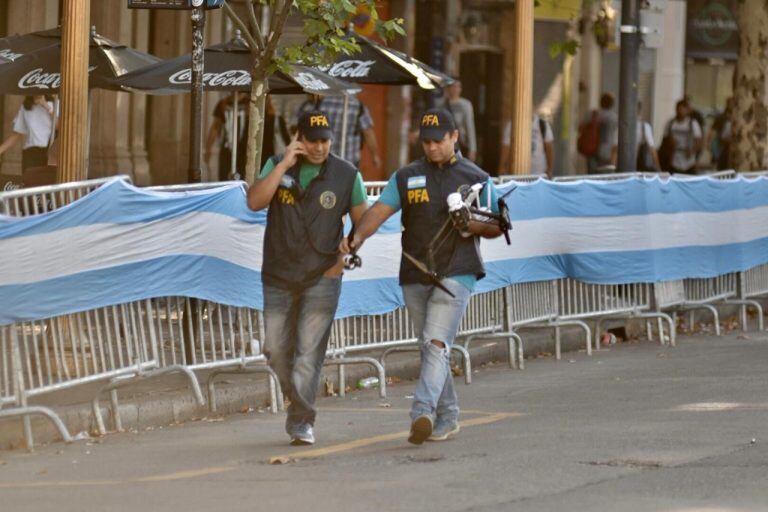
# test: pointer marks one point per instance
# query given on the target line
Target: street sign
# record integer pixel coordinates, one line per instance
(174, 4)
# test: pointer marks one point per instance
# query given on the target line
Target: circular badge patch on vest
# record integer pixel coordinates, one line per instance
(327, 199)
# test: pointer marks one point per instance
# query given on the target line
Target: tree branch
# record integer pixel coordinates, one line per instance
(252, 43)
(276, 30)
(257, 35)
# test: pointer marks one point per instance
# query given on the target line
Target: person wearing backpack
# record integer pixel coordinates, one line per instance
(597, 136)
(542, 148)
(682, 141)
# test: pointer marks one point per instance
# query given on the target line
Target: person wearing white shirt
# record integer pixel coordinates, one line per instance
(686, 136)
(34, 125)
(542, 147)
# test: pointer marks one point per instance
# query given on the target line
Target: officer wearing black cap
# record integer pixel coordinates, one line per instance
(436, 283)
(308, 190)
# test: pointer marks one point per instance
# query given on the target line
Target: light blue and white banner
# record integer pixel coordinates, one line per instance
(121, 243)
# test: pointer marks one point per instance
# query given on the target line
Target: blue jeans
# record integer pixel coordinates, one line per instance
(436, 316)
(298, 325)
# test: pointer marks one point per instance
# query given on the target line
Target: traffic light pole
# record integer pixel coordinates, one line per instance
(630, 54)
(196, 111)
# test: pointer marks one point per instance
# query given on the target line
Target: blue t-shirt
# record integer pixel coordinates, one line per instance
(390, 196)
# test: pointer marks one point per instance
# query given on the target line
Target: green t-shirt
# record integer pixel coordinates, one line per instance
(308, 172)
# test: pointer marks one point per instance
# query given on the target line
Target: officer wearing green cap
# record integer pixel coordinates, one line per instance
(309, 191)
(436, 284)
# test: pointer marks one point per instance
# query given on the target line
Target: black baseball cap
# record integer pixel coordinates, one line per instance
(435, 123)
(314, 125)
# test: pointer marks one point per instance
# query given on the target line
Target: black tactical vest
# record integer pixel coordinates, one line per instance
(423, 189)
(303, 233)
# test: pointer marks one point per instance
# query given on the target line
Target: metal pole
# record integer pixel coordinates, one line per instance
(630, 51)
(196, 112)
(235, 136)
(344, 127)
(74, 90)
(522, 87)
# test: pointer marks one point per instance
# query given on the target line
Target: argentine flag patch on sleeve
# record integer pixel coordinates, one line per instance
(417, 182)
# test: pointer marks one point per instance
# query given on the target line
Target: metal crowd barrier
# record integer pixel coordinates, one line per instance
(607, 176)
(120, 344)
(374, 188)
(524, 304)
(35, 200)
(716, 175)
(116, 344)
(704, 293)
(753, 284)
(754, 174)
(521, 178)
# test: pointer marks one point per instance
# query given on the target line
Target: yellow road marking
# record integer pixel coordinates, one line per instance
(486, 419)
(359, 443)
(178, 475)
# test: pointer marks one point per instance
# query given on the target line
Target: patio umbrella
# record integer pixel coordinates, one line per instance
(227, 68)
(35, 62)
(377, 64)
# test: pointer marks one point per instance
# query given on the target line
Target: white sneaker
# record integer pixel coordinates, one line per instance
(303, 435)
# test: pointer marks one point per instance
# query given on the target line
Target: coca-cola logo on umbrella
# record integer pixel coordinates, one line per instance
(309, 81)
(232, 78)
(8, 54)
(350, 68)
(40, 79)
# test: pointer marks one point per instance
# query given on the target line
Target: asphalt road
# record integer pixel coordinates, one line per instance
(635, 428)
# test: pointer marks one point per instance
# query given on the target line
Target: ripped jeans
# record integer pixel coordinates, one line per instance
(436, 316)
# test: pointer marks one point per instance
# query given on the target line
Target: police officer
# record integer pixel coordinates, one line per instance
(436, 300)
(308, 190)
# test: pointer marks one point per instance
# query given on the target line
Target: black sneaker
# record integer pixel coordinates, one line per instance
(421, 429)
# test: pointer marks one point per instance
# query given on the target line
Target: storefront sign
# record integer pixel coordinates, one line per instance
(712, 30)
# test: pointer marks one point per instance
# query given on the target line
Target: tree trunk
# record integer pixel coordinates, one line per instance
(255, 129)
(749, 142)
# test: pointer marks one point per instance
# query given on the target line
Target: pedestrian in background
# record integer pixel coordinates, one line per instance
(682, 141)
(221, 131)
(33, 125)
(464, 117)
(646, 156)
(360, 130)
(719, 138)
(597, 136)
(542, 148)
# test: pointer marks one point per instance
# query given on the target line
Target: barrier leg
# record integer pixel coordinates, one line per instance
(598, 332)
(715, 317)
(467, 362)
(275, 390)
(342, 381)
(557, 342)
(116, 418)
(516, 360)
(660, 327)
(391, 350)
(745, 303)
(30, 410)
(514, 344)
(365, 360)
(577, 323)
(649, 331)
(130, 379)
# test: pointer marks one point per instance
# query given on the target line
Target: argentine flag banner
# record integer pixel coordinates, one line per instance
(121, 243)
